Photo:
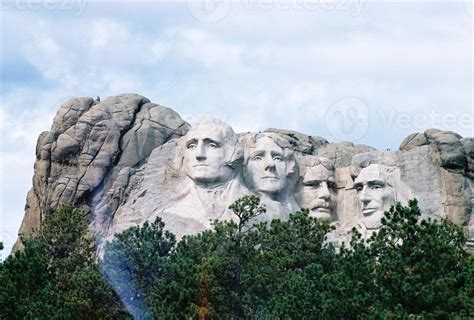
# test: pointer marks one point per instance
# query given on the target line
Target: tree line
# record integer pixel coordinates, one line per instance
(409, 269)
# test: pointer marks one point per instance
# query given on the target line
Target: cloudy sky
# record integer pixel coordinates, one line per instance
(355, 70)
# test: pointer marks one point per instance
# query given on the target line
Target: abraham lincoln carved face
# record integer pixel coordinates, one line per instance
(375, 193)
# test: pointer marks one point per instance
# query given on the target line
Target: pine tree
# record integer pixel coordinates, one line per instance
(212, 271)
(292, 258)
(286, 270)
(134, 260)
(56, 276)
(421, 265)
(408, 269)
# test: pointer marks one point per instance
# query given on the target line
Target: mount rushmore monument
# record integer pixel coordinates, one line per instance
(127, 161)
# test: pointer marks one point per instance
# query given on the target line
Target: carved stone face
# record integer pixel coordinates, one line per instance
(374, 194)
(267, 166)
(205, 156)
(319, 192)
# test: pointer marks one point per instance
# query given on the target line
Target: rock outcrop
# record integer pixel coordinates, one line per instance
(127, 161)
(93, 152)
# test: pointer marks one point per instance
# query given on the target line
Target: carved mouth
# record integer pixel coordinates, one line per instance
(200, 165)
(321, 209)
(368, 211)
(322, 206)
(269, 178)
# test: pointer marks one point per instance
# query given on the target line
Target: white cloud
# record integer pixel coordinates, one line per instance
(50, 59)
(159, 50)
(305, 93)
(207, 50)
(104, 32)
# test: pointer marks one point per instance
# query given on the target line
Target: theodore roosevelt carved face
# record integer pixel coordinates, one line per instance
(319, 190)
(211, 151)
(375, 193)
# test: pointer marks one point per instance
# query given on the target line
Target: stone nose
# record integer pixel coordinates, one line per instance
(323, 192)
(364, 196)
(269, 164)
(200, 152)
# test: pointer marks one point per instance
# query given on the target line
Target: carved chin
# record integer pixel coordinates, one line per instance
(207, 174)
(373, 221)
(269, 186)
(203, 175)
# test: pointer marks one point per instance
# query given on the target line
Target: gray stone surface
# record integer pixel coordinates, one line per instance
(341, 153)
(447, 145)
(91, 149)
(301, 142)
(128, 161)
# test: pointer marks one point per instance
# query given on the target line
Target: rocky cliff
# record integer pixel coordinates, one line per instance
(127, 160)
(93, 152)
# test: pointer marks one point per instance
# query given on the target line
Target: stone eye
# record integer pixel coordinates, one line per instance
(277, 158)
(191, 146)
(213, 145)
(358, 188)
(257, 158)
(376, 186)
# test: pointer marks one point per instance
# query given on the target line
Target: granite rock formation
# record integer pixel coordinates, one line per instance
(127, 161)
(94, 152)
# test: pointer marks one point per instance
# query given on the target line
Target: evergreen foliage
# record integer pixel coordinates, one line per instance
(284, 270)
(134, 261)
(55, 276)
(409, 269)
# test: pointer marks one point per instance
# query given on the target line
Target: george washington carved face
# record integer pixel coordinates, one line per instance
(211, 150)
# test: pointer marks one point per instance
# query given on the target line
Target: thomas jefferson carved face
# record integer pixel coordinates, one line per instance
(319, 192)
(374, 193)
(267, 166)
(206, 155)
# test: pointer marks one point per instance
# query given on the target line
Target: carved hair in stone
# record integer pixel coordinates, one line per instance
(318, 190)
(211, 153)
